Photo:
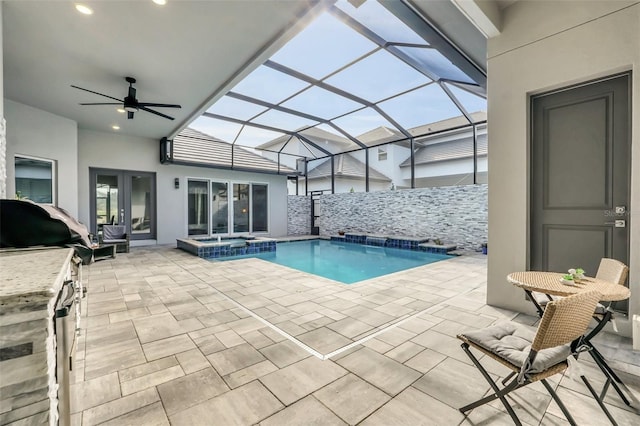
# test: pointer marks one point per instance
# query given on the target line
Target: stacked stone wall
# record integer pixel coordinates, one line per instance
(298, 215)
(453, 214)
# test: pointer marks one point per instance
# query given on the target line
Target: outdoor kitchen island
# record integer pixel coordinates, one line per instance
(37, 323)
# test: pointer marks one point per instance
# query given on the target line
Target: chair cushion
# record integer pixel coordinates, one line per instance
(113, 232)
(512, 342)
(114, 241)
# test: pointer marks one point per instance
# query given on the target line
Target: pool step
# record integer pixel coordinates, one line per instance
(372, 240)
(435, 248)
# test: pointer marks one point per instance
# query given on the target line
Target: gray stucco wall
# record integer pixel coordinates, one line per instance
(454, 214)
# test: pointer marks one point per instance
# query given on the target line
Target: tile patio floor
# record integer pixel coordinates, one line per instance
(169, 338)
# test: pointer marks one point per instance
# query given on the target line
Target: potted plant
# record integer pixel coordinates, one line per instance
(341, 233)
(485, 248)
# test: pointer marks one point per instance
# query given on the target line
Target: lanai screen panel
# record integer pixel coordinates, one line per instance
(354, 73)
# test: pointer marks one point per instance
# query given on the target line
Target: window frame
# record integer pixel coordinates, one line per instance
(382, 153)
(208, 215)
(230, 211)
(54, 176)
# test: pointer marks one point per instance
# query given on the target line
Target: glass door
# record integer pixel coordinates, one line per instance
(122, 197)
(219, 208)
(240, 207)
(140, 204)
(109, 206)
(197, 203)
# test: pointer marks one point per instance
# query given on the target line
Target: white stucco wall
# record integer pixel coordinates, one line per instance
(544, 46)
(114, 151)
(37, 133)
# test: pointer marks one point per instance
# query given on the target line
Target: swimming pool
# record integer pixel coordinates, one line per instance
(344, 262)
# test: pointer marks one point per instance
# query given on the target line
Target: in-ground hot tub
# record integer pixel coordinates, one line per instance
(224, 247)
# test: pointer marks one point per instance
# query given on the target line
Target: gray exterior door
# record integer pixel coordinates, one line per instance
(580, 176)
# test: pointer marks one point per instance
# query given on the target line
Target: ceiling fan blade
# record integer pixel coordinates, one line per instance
(155, 112)
(101, 94)
(151, 104)
(130, 115)
(102, 103)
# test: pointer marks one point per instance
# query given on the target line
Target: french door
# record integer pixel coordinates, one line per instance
(124, 197)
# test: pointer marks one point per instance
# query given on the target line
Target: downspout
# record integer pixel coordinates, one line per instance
(475, 155)
(413, 164)
(366, 171)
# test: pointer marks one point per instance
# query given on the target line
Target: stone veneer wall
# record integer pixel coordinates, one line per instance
(299, 215)
(454, 214)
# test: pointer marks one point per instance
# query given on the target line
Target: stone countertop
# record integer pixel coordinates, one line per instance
(28, 279)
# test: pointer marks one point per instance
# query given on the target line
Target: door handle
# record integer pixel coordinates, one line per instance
(121, 216)
(620, 223)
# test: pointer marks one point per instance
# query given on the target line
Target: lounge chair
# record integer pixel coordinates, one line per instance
(115, 235)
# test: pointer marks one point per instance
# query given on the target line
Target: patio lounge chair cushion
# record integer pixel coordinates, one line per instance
(512, 342)
(113, 234)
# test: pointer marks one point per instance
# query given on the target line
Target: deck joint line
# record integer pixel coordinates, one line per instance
(350, 345)
(273, 327)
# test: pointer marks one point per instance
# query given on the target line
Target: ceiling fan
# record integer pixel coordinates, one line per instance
(130, 103)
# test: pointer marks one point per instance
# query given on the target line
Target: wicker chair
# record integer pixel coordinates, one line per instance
(533, 355)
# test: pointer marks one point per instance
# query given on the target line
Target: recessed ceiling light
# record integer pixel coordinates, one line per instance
(85, 10)
(160, 2)
(121, 110)
(115, 127)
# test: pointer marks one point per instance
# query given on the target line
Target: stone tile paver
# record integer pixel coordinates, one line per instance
(351, 398)
(119, 407)
(235, 358)
(245, 405)
(306, 412)
(413, 407)
(454, 383)
(190, 390)
(165, 347)
(302, 378)
(379, 370)
(324, 340)
(152, 414)
(284, 353)
(94, 392)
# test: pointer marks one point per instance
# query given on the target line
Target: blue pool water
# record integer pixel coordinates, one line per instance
(344, 262)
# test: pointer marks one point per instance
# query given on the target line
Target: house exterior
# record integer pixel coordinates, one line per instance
(575, 42)
(443, 156)
(77, 153)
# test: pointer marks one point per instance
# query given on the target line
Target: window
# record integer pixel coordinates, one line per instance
(219, 208)
(35, 179)
(198, 201)
(240, 207)
(259, 208)
(382, 153)
(211, 212)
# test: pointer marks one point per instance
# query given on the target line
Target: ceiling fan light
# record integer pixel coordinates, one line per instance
(85, 10)
(121, 110)
(160, 2)
(115, 127)
(130, 108)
